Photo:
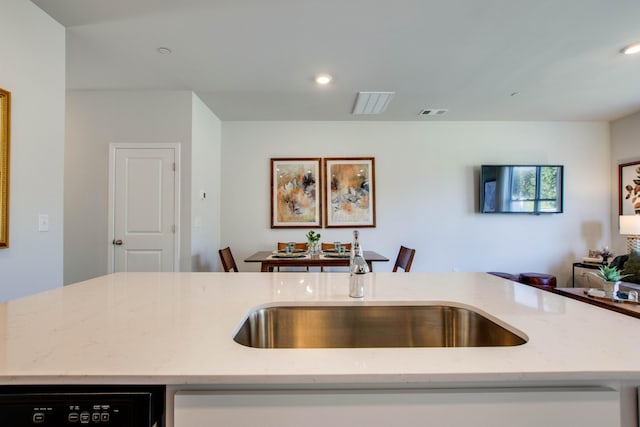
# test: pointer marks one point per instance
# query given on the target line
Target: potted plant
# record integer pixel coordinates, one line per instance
(611, 278)
(313, 242)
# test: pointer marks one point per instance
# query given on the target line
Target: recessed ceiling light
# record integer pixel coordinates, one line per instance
(323, 79)
(164, 50)
(631, 49)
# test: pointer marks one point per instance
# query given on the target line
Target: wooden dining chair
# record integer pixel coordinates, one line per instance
(330, 246)
(228, 263)
(299, 247)
(404, 260)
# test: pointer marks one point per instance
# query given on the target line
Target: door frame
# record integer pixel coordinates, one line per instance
(113, 147)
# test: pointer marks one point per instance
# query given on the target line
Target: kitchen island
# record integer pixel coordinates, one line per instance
(177, 329)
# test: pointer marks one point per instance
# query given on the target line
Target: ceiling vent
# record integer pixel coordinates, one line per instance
(434, 112)
(372, 102)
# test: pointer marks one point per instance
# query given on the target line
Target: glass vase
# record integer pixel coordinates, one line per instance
(313, 248)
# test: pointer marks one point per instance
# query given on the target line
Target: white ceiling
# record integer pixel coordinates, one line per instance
(256, 59)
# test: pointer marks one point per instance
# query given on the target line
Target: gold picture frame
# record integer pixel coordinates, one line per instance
(5, 122)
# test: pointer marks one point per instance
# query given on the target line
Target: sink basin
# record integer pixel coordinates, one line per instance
(347, 326)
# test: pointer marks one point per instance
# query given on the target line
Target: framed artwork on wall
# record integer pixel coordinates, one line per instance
(296, 200)
(629, 188)
(5, 115)
(349, 192)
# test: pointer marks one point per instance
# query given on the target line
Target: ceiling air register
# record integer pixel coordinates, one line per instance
(372, 102)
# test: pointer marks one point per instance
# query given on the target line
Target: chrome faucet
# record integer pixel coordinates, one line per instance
(358, 267)
(356, 277)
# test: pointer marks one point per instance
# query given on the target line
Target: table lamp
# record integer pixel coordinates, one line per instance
(630, 225)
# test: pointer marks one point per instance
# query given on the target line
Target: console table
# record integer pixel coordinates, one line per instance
(628, 308)
(582, 277)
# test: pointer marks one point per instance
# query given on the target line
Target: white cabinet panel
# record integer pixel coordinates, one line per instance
(584, 407)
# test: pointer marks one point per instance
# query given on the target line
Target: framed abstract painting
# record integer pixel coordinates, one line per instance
(350, 192)
(295, 193)
(629, 188)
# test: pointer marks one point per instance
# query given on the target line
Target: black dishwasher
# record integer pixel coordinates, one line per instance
(79, 405)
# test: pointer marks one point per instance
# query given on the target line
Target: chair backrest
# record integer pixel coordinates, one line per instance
(228, 263)
(299, 246)
(330, 246)
(405, 258)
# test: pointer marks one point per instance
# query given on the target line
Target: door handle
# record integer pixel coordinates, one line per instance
(118, 242)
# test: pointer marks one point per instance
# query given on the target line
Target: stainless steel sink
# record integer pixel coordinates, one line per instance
(345, 326)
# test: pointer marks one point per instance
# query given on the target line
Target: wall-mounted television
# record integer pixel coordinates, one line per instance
(532, 189)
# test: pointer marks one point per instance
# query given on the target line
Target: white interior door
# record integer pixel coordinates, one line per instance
(144, 209)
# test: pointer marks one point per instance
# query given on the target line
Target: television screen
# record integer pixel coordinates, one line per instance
(532, 189)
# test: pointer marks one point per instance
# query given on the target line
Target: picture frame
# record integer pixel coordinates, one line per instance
(296, 198)
(629, 188)
(5, 122)
(349, 192)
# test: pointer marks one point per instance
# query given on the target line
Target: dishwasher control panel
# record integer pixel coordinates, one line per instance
(77, 407)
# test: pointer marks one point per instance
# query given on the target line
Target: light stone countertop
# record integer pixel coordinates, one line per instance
(177, 328)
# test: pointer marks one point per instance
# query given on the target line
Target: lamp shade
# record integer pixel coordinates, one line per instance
(630, 224)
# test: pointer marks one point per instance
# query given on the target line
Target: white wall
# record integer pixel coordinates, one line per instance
(625, 148)
(205, 177)
(427, 177)
(94, 120)
(32, 68)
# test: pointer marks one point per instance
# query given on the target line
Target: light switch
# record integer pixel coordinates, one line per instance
(43, 222)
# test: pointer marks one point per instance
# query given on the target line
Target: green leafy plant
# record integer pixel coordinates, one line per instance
(610, 274)
(312, 236)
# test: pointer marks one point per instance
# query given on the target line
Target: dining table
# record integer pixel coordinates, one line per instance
(269, 260)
